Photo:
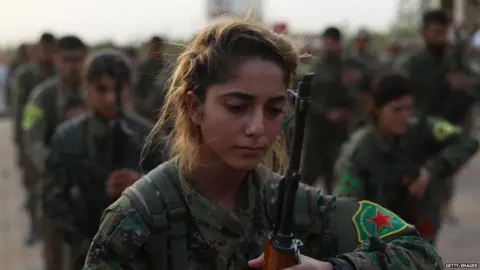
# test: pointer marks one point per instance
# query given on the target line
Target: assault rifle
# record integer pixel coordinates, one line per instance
(282, 250)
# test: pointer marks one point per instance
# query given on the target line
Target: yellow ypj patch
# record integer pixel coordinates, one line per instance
(31, 114)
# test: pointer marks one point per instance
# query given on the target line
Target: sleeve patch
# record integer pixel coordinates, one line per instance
(31, 114)
(348, 184)
(372, 219)
(443, 130)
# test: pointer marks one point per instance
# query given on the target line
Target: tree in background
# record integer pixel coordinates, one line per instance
(406, 23)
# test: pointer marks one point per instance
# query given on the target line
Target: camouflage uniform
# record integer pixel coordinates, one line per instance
(322, 137)
(78, 165)
(367, 58)
(12, 68)
(433, 93)
(370, 168)
(200, 234)
(24, 80)
(48, 106)
(148, 84)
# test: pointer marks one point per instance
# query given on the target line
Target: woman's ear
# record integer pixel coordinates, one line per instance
(195, 109)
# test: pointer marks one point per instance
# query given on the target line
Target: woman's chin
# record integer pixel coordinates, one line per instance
(243, 164)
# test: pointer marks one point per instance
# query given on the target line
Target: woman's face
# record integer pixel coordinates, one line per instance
(393, 117)
(241, 119)
(102, 94)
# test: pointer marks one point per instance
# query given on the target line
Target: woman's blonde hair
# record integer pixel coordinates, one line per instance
(211, 58)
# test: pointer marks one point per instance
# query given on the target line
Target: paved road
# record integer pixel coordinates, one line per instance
(456, 244)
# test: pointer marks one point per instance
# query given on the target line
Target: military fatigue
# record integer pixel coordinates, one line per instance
(368, 59)
(433, 94)
(322, 137)
(78, 165)
(24, 80)
(207, 236)
(12, 68)
(48, 106)
(372, 168)
(149, 82)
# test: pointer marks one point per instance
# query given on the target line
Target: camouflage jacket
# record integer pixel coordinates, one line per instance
(26, 77)
(328, 93)
(371, 168)
(77, 168)
(368, 59)
(204, 235)
(429, 79)
(12, 68)
(48, 106)
(149, 81)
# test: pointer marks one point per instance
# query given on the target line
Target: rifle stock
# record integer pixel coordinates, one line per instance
(277, 260)
(282, 250)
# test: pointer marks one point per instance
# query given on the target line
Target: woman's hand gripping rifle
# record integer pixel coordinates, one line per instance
(282, 250)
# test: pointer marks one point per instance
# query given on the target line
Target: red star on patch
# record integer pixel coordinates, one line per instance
(347, 184)
(381, 220)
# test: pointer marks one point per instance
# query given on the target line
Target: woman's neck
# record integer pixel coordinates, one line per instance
(216, 180)
(387, 136)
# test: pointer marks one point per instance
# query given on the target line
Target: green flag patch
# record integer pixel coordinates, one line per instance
(443, 130)
(372, 219)
(348, 184)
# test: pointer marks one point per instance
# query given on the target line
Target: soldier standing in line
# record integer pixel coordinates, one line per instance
(394, 51)
(96, 155)
(51, 103)
(361, 52)
(334, 95)
(400, 160)
(24, 80)
(21, 57)
(443, 85)
(148, 79)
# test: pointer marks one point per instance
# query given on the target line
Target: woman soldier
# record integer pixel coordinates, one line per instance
(92, 159)
(402, 161)
(210, 205)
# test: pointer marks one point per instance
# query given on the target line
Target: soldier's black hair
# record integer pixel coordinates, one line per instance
(333, 33)
(47, 38)
(130, 51)
(390, 87)
(108, 62)
(157, 40)
(437, 16)
(70, 43)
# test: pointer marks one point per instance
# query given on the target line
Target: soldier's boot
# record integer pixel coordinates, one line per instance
(32, 235)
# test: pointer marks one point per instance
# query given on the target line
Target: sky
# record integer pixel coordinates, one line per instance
(124, 21)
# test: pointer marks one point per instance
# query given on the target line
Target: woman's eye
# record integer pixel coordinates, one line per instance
(236, 108)
(275, 111)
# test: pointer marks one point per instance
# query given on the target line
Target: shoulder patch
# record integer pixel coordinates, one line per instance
(347, 184)
(31, 114)
(372, 219)
(443, 130)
